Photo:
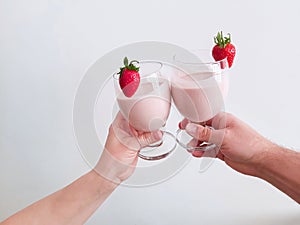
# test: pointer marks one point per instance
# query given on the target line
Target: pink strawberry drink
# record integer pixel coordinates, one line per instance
(149, 108)
(198, 96)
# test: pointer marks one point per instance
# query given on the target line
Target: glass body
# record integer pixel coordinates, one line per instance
(148, 109)
(199, 87)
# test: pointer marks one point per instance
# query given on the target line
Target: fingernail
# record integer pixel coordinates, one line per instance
(179, 125)
(197, 154)
(157, 135)
(191, 128)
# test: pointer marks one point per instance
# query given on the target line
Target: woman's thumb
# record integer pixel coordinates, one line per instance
(149, 138)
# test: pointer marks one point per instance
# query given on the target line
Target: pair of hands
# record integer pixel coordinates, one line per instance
(241, 147)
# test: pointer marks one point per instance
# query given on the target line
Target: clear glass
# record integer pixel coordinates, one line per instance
(199, 88)
(148, 109)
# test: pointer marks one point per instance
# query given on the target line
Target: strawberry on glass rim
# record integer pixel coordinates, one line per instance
(223, 48)
(129, 78)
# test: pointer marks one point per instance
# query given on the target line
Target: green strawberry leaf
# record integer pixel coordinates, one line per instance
(129, 66)
(125, 61)
(222, 41)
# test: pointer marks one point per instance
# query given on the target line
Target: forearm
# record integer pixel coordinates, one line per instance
(73, 204)
(281, 168)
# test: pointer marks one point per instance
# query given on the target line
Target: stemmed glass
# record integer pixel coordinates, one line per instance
(199, 87)
(148, 109)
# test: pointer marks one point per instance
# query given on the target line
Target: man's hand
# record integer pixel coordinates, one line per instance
(241, 147)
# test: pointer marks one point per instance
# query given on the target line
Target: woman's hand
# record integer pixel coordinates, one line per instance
(120, 155)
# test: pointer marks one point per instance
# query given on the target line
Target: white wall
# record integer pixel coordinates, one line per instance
(45, 48)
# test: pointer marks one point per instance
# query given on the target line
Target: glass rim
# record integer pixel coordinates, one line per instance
(199, 63)
(221, 62)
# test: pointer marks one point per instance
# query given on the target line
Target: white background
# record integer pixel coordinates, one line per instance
(45, 49)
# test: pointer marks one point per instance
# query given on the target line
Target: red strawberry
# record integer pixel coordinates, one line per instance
(223, 48)
(129, 79)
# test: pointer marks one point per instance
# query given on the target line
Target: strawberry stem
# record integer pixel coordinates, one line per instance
(134, 61)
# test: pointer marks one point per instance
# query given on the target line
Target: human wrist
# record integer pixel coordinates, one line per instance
(102, 183)
(265, 156)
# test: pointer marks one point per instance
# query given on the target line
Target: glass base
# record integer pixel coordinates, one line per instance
(191, 144)
(160, 149)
